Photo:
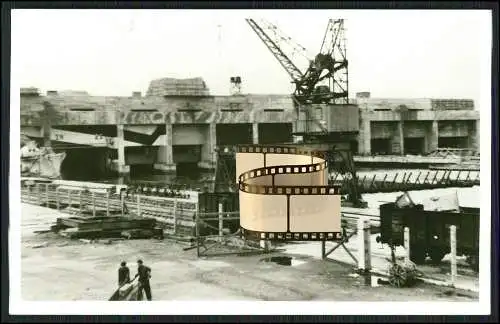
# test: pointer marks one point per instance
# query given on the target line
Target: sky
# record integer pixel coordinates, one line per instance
(392, 54)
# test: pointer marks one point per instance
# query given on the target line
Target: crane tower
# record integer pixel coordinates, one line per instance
(325, 118)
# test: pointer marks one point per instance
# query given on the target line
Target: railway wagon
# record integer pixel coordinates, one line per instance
(430, 233)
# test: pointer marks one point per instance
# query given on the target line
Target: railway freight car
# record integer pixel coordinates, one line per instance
(429, 231)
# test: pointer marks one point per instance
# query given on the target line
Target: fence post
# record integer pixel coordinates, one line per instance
(81, 202)
(138, 204)
(197, 231)
(367, 237)
(107, 203)
(221, 224)
(57, 198)
(453, 243)
(93, 203)
(221, 221)
(361, 245)
(406, 238)
(47, 195)
(25, 193)
(323, 249)
(174, 212)
(122, 203)
(38, 192)
(364, 249)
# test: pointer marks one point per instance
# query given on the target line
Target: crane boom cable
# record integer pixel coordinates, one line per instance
(279, 34)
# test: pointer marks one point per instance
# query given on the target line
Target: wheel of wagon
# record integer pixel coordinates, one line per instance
(436, 254)
(397, 276)
(473, 261)
(417, 255)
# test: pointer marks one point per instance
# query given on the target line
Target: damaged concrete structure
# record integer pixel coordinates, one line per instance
(415, 126)
(176, 126)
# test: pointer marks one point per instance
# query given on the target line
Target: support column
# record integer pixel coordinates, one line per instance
(45, 133)
(121, 167)
(208, 154)
(46, 126)
(365, 137)
(401, 138)
(255, 133)
(474, 131)
(398, 147)
(165, 157)
(432, 137)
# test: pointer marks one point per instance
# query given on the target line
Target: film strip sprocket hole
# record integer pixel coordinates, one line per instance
(284, 194)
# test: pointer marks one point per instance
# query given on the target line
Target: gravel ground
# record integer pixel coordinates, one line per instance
(56, 269)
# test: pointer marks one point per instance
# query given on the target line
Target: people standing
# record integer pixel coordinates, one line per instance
(123, 274)
(144, 274)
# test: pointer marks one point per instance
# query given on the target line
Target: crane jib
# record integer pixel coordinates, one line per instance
(331, 59)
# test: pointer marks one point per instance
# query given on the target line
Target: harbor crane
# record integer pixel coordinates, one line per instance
(326, 78)
(324, 81)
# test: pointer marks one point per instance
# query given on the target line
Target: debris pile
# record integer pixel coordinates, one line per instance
(81, 227)
(178, 87)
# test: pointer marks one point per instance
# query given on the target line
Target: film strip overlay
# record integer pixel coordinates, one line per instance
(284, 194)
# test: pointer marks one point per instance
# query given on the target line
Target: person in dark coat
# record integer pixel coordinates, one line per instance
(123, 274)
(144, 274)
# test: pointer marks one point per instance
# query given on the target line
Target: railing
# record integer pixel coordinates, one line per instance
(409, 180)
(175, 215)
(451, 152)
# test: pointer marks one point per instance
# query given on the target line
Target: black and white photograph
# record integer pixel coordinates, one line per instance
(250, 161)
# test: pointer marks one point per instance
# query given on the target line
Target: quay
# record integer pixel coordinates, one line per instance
(191, 278)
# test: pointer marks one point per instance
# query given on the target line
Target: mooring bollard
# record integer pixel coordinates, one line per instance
(453, 243)
(407, 244)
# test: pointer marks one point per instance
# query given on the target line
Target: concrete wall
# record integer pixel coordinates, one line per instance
(140, 155)
(194, 121)
(382, 129)
(188, 134)
(453, 128)
(336, 118)
(414, 129)
(414, 104)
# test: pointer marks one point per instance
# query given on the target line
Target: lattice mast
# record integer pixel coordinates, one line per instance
(326, 78)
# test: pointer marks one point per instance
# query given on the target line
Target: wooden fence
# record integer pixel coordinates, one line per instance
(176, 215)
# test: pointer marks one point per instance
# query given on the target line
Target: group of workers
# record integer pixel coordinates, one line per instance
(144, 274)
